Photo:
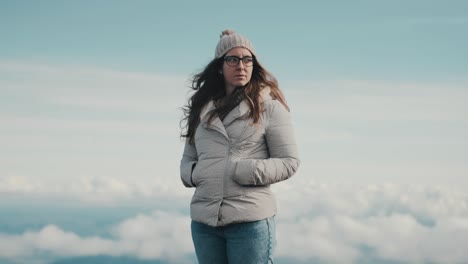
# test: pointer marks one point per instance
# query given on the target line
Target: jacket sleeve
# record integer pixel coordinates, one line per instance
(188, 162)
(283, 161)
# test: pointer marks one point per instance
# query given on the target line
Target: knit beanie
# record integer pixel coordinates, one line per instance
(229, 39)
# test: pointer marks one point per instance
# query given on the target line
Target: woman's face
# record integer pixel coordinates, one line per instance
(237, 72)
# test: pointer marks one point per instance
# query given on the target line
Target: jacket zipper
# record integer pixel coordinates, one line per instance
(228, 161)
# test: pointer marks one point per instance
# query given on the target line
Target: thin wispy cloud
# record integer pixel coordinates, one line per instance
(380, 101)
(433, 21)
(96, 88)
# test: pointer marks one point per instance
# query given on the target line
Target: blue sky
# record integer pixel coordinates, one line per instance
(420, 40)
(90, 97)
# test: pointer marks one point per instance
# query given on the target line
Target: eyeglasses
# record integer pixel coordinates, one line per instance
(233, 61)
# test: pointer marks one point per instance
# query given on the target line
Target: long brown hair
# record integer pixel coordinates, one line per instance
(209, 85)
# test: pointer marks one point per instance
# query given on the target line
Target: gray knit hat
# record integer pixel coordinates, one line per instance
(229, 39)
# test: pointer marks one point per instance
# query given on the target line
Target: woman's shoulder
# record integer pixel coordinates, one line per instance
(265, 94)
(268, 101)
(272, 107)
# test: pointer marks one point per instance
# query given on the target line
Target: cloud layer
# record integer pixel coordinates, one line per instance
(160, 235)
(331, 223)
(340, 223)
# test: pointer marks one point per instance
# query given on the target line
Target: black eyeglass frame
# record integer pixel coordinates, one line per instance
(248, 61)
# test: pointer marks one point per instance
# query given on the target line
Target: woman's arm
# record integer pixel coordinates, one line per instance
(283, 161)
(188, 162)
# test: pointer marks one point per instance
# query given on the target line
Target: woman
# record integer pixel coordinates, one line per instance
(239, 141)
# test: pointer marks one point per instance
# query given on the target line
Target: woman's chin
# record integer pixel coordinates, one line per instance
(240, 84)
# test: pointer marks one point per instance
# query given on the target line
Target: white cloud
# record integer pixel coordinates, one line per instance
(96, 190)
(332, 223)
(62, 243)
(412, 224)
(161, 235)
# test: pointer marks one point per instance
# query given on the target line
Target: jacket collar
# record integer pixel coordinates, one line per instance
(240, 110)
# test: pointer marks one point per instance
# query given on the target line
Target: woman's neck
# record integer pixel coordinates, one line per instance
(230, 89)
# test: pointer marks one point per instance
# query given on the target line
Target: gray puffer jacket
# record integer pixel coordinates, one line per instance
(233, 162)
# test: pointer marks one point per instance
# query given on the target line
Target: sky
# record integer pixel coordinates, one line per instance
(90, 105)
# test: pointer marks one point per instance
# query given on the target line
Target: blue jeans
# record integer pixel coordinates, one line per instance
(243, 243)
